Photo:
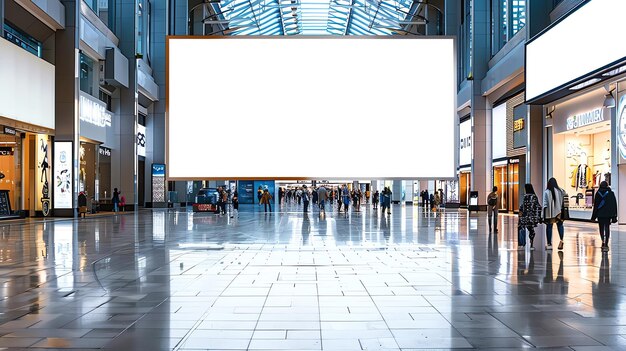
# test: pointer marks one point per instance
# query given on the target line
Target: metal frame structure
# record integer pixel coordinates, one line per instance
(319, 17)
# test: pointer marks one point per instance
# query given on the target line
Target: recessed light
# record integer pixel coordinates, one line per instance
(585, 84)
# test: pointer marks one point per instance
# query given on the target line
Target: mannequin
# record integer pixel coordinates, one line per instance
(581, 175)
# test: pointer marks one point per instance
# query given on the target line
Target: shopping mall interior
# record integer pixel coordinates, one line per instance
(312, 174)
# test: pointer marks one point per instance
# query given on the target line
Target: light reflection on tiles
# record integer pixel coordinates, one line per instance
(172, 279)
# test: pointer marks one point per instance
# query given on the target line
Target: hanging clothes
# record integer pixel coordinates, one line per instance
(597, 179)
(581, 177)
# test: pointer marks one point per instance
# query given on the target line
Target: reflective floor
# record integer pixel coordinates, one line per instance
(179, 280)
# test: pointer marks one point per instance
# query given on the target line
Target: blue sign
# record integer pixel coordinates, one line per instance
(158, 170)
(246, 192)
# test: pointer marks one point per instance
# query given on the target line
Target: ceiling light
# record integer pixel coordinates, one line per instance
(585, 84)
(609, 100)
(614, 72)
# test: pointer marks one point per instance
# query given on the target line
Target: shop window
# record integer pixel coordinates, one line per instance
(105, 11)
(21, 39)
(106, 98)
(86, 74)
(507, 18)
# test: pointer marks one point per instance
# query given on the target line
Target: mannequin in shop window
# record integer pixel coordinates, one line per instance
(581, 175)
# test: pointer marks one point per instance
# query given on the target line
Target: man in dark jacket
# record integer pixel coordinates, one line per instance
(605, 211)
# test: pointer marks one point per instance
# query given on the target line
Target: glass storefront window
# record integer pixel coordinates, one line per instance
(507, 18)
(86, 74)
(500, 179)
(105, 11)
(22, 39)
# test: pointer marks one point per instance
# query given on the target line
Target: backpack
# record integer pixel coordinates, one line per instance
(492, 201)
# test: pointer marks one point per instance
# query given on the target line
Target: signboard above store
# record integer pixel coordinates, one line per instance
(585, 119)
(94, 111)
(518, 125)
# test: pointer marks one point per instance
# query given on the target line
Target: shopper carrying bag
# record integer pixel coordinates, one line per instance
(553, 204)
(605, 211)
(529, 217)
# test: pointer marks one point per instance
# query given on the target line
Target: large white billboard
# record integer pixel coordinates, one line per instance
(313, 108)
(583, 42)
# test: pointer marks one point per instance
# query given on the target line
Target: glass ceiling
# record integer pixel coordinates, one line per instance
(314, 17)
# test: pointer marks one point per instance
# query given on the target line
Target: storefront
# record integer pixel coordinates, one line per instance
(581, 149)
(509, 139)
(94, 156)
(465, 161)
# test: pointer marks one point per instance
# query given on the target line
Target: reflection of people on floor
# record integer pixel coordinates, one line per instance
(306, 229)
(605, 297)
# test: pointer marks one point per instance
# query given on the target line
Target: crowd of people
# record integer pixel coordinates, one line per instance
(341, 196)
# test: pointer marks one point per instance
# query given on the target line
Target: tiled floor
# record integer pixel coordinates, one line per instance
(179, 280)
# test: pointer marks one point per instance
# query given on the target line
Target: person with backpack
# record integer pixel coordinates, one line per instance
(492, 209)
(529, 217)
(605, 211)
(553, 205)
(266, 200)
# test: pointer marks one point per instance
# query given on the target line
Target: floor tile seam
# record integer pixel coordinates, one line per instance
(582, 332)
(256, 325)
(319, 311)
(511, 329)
(381, 315)
(186, 337)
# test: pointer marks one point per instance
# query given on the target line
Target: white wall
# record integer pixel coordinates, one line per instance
(498, 132)
(288, 98)
(26, 86)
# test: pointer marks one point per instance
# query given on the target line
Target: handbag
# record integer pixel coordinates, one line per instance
(565, 207)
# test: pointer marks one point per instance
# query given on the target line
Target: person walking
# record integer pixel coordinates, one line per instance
(375, 200)
(605, 211)
(426, 198)
(492, 209)
(266, 199)
(437, 201)
(259, 194)
(345, 194)
(355, 201)
(529, 217)
(553, 203)
(235, 201)
(322, 195)
(305, 198)
(115, 200)
(367, 196)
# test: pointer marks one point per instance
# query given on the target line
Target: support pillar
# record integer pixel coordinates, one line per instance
(66, 94)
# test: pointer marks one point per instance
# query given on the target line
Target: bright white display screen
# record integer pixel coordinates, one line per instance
(498, 131)
(313, 108)
(62, 174)
(576, 46)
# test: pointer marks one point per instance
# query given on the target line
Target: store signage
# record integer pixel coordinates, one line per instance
(514, 160)
(621, 126)
(6, 151)
(158, 170)
(518, 125)
(94, 111)
(465, 143)
(9, 130)
(158, 182)
(141, 140)
(105, 151)
(585, 119)
(63, 175)
(43, 177)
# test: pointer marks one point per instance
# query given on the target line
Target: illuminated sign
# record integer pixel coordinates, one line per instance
(141, 140)
(518, 125)
(105, 151)
(585, 119)
(94, 111)
(621, 126)
(62, 174)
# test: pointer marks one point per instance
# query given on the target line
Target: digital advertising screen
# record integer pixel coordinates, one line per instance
(368, 108)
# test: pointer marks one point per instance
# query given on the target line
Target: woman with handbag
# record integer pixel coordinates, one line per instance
(529, 217)
(605, 211)
(553, 211)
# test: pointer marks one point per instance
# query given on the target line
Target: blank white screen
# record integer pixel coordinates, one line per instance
(348, 108)
(578, 45)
